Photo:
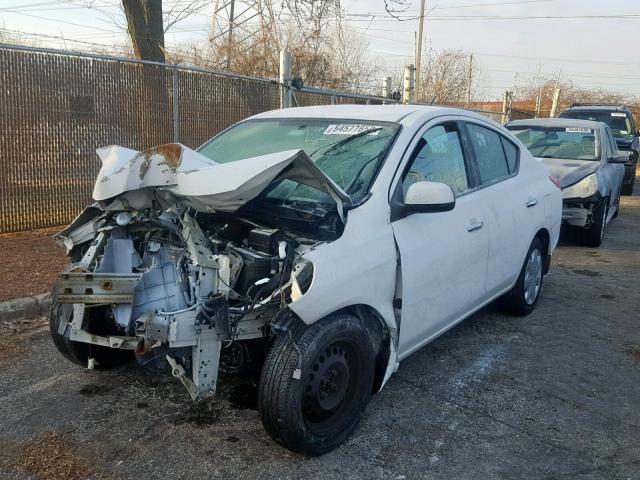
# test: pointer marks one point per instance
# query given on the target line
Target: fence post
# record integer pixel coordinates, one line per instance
(285, 79)
(176, 104)
(554, 104)
(506, 107)
(409, 83)
(386, 87)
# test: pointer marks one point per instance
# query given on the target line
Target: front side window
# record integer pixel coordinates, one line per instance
(350, 160)
(438, 157)
(490, 154)
(571, 143)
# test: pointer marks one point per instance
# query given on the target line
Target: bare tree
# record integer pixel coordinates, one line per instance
(445, 77)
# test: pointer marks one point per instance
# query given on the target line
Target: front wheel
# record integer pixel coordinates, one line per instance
(78, 352)
(593, 236)
(315, 384)
(522, 298)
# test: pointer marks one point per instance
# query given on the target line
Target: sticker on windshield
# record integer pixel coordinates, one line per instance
(345, 129)
(618, 114)
(578, 130)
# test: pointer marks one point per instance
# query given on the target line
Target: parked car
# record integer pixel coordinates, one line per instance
(620, 120)
(337, 239)
(583, 156)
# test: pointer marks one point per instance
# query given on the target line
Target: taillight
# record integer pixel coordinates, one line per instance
(555, 181)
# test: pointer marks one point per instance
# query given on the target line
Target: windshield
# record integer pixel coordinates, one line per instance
(554, 142)
(617, 121)
(351, 163)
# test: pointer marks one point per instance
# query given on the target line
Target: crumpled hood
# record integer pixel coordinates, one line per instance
(570, 171)
(204, 184)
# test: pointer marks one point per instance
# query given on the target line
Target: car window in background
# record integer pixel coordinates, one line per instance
(487, 145)
(352, 165)
(555, 142)
(616, 121)
(438, 157)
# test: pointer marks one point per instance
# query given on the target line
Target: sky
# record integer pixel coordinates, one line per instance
(509, 46)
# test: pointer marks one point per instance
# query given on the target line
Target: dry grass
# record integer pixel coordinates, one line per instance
(52, 456)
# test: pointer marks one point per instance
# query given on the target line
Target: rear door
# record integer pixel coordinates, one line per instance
(443, 255)
(511, 202)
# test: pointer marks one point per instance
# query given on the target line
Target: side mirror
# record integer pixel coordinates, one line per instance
(621, 156)
(429, 197)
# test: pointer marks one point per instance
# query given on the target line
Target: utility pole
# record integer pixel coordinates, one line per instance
(419, 50)
(469, 80)
(230, 38)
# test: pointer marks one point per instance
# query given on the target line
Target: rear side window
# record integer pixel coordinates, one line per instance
(490, 154)
(511, 152)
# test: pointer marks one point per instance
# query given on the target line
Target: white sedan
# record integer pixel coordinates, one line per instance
(319, 245)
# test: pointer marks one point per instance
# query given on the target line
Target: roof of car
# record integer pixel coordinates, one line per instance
(381, 113)
(555, 122)
(598, 108)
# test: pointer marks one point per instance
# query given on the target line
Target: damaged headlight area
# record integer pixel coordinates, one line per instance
(584, 188)
(301, 278)
(194, 293)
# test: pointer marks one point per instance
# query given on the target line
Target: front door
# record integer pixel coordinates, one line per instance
(443, 256)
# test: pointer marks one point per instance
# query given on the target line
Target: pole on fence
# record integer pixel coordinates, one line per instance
(506, 106)
(554, 104)
(409, 83)
(285, 79)
(176, 104)
(386, 87)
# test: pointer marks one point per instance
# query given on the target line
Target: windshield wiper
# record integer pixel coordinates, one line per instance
(333, 146)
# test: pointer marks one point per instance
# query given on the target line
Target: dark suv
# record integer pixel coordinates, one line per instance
(620, 120)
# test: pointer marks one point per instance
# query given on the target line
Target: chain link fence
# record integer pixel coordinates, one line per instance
(57, 107)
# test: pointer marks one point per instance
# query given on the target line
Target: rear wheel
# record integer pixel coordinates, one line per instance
(627, 188)
(593, 236)
(78, 352)
(522, 298)
(316, 383)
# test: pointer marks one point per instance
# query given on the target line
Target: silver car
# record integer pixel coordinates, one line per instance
(583, 157)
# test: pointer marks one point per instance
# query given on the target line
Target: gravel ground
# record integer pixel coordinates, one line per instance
(554, 395)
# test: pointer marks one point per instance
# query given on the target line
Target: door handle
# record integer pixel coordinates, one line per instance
(532, 202)
(476, 225)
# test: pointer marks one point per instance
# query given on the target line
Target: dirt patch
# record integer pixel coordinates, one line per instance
(15, 338)
(30, 263)
(52, 456)
(201, 413)
(587, 273)
(634, 352)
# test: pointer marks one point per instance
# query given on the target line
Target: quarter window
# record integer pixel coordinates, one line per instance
(438, 157)
(511, 152)
(488, 147)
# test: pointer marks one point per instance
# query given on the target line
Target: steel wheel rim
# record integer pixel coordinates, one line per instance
(328, 388)
(533, 277)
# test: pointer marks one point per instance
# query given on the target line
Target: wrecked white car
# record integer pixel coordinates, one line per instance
(321, 245)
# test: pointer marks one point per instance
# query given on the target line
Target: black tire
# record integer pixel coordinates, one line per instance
(78, 352)
(617, 212)
(517, 301)
(593, 236)
(315, 384)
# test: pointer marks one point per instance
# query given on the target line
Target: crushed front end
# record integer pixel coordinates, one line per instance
(165, 270)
